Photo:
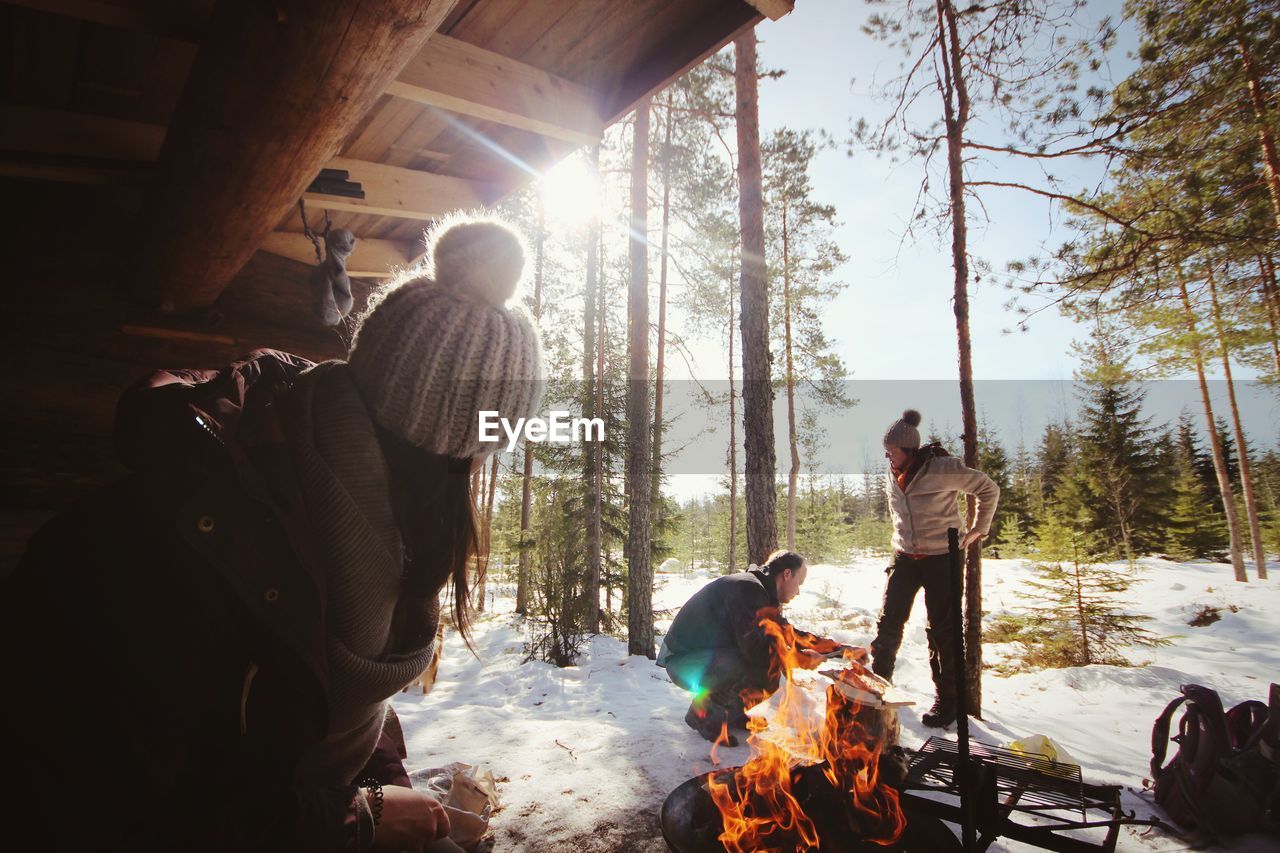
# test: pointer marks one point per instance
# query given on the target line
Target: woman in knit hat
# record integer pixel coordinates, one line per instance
(242, 605)
(923, 484)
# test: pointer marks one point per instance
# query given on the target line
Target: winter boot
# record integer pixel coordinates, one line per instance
(942, 714)
(710, 721)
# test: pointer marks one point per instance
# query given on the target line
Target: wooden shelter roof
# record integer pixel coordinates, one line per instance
(152, 153)
(501, 90)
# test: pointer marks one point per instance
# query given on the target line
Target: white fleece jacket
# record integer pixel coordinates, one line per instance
(922, 513)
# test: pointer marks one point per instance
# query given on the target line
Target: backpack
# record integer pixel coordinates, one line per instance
(1223, 779)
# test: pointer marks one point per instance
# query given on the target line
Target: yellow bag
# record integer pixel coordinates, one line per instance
(1044, 747)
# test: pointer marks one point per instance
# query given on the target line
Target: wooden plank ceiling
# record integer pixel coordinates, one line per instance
(501, 91)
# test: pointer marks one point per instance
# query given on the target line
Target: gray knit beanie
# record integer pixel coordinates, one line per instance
(904, 432)
(432, 352)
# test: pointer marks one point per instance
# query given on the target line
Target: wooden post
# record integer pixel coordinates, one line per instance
(274, 93)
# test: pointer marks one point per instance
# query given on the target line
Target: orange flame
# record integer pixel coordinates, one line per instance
(759, 805)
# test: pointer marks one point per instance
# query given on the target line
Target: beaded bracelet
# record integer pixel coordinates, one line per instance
(374, 797)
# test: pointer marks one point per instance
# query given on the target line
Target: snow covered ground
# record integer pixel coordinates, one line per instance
(585, 755)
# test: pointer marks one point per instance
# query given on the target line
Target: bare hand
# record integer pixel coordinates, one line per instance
(410, 819)
(969, 538)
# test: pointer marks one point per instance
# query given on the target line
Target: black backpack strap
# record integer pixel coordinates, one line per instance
(1245, 722)
(1160, 735)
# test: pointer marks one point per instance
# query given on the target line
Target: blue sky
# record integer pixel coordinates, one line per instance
(894, 321)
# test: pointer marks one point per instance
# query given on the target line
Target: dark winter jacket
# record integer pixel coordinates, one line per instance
(727, 613)
(163, 645)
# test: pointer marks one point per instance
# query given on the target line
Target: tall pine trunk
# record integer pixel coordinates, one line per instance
(955, 104)
(733, 444)
(591, 449)
(639, 463)
(793, 475)
(1258, 101)
(597, 475)
(488, 532)
(1271, 304)
(757, 389)
(1215, 441)
(661, 357)
(1246, 473)
(526, 482)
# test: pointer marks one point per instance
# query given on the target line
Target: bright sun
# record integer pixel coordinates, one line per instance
(570, 193)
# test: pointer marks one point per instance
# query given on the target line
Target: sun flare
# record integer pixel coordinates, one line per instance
(570, 193)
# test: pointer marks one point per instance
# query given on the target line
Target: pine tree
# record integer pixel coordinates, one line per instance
(1076, 615)
(1116, 448)
(804, 256)
(1193, 528)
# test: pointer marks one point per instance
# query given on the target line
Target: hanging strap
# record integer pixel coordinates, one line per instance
(1160, 735)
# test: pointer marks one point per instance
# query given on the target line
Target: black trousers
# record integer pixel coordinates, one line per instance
(906, 577)
(723, 678)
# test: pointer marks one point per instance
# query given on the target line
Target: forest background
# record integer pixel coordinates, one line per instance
(750, 277)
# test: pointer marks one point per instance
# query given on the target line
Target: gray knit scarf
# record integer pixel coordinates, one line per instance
(343, 479)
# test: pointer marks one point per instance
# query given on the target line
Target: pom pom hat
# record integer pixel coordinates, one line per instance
(904, 432)
(432, 352)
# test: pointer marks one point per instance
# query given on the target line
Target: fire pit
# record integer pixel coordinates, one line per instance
(692, 823)
(845, 800)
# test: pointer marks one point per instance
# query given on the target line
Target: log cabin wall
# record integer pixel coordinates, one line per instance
(125, 197)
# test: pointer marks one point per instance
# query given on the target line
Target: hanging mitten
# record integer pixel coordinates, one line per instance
(330, 284)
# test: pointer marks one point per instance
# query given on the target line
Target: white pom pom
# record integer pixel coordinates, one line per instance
(479, 258)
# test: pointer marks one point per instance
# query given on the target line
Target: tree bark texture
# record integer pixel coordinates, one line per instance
(526, 481)
(955, 102)
(757, 388)
(1246, 473)
(639, 461)
(591, 402)
(1215, 441)
(793, 475)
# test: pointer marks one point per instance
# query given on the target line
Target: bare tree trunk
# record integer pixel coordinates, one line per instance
(955, 103)
(1215, 441)
(733, 447)
(1271, 303)
(1258, 100)
(1080, 609)
(591, 450)
(526, 483)
(477, 508)
(488, 533)
(662, 317)
(597, 474)
(757, 388)
(793, 475)
(1246, 473)
(639, 463)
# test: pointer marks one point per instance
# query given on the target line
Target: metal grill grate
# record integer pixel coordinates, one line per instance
(1033, 782)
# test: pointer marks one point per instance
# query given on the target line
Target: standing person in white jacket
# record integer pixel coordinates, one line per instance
(923, 484)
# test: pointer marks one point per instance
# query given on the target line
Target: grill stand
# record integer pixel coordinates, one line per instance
(984, 788)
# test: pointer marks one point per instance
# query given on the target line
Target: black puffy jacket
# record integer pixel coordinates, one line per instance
(161, 641)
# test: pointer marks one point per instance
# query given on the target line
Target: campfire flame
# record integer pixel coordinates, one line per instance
(759, 804)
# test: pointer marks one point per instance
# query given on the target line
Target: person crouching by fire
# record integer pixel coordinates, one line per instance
(923, 484)
(236, 612)
(718, 650)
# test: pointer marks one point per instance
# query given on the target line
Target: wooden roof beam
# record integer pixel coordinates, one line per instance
(371, 259)
(269, 102)
(773, 9)
(389, 190)
(401, 193)
(471, 81)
